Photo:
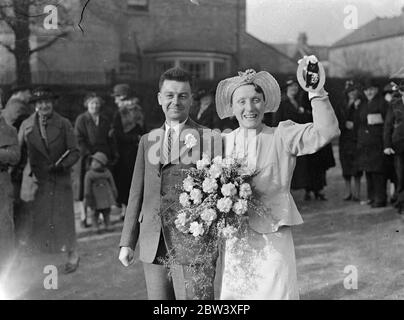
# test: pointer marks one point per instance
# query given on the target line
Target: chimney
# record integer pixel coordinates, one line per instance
(302, 39)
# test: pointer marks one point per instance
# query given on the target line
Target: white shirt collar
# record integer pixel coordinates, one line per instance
(177, 126)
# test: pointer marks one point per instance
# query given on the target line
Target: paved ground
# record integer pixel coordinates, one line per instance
(336, 235)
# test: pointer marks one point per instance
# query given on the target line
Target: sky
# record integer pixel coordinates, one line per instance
(280, 21)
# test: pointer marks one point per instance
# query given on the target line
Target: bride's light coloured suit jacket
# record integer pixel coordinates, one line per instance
(275, 159)
(153, 184)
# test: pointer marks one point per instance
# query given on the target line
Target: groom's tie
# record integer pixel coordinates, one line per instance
(167, 146)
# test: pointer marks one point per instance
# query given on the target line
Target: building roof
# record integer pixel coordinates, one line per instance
(376, 29)
(202, 44)
(294, 50)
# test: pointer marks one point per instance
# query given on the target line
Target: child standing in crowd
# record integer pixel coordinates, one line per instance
(99, 190)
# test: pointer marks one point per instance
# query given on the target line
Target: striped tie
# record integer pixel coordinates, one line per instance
(167, 146)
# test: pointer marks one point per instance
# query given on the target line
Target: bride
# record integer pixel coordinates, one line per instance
(261, 264)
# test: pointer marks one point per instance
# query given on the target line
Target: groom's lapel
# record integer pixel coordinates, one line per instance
(190, 127)
(154, 147)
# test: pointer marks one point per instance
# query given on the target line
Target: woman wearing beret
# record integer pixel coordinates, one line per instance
(51, 147)
(261, 265)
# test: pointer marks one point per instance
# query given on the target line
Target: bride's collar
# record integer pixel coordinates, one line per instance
(245, 131)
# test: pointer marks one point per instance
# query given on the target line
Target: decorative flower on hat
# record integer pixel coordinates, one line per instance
(247, 75)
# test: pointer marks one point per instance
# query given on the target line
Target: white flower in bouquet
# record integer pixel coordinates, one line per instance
(228, 162)
(208, 215)
(224, 205)
(218, 160)
(188, 184)
(240, 207)
(196, 229)
(196, 195)
(209, 185)
(228, 232)
(181, 219)
(184, 199)
(245, 191)
(229, 189)
(215, 171)
(190, 141)
(204, 162)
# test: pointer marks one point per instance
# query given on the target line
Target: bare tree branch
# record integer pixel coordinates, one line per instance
(8, 47)
(49, 43)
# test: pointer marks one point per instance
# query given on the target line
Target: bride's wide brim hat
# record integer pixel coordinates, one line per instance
(263, 79)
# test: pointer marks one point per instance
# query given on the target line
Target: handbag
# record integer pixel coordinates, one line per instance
(29, 185)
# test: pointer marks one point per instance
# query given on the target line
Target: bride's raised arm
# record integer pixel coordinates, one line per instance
(307, 138)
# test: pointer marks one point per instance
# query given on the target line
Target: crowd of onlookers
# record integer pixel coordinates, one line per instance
(96, 155)
(372, 141)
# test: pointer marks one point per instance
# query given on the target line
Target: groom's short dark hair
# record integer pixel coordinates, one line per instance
(176, 74)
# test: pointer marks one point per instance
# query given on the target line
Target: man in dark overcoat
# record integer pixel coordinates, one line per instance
(371, 118)
(394, 141)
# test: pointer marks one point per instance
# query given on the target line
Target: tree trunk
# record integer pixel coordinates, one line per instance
(21, 45)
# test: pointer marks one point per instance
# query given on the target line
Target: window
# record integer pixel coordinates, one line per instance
(138, 4)
(199, 70)
(161, 66)
(220, 69)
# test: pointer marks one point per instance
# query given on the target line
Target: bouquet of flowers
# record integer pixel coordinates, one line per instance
(216, 196)
(213, 205)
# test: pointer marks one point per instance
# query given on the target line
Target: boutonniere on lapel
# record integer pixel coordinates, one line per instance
(190, 141)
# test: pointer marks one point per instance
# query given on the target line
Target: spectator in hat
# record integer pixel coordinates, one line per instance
(348, 140)
(9, 155)
(92, 129)
(371, 159)
(128, 127)
(204, 111)
(15, 112)
(51, 147)
(121, 92)
(18, 108)
(100, 191)
(394, 142)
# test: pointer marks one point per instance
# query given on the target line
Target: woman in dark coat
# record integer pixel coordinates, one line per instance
(371, 158)
(291, 109)
(128, 128)
(348, 140)
(92, 130)
(52, 150)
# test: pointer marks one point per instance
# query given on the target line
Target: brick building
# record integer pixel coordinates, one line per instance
(376, 48)
(138, 39)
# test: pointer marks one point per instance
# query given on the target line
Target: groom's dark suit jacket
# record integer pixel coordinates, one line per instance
(153, 184)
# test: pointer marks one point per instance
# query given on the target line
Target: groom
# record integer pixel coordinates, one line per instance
(162, 154)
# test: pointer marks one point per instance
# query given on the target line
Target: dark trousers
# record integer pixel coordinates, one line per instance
(174, 283)
(376, 187)
(399, 168)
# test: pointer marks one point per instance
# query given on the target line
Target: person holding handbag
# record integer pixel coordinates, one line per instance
(51, 147)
